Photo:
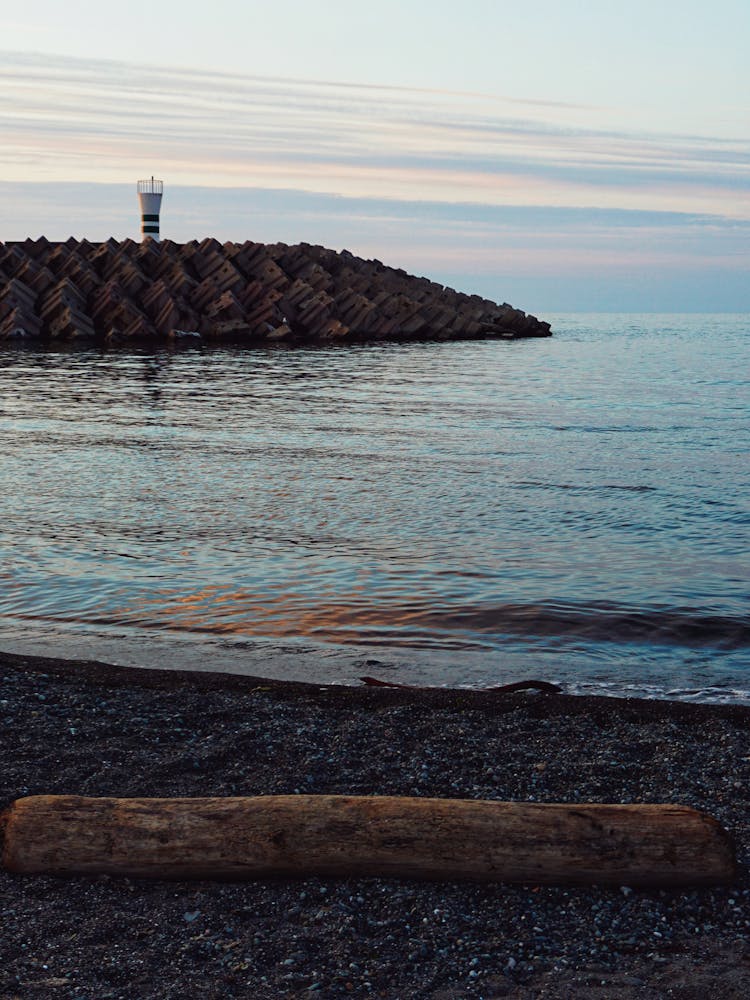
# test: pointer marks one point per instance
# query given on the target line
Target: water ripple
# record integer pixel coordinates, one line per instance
(581, 503)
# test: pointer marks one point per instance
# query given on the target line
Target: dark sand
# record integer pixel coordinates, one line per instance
(92, 729)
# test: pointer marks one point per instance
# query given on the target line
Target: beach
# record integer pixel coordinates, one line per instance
(375, 502)
(92, 729)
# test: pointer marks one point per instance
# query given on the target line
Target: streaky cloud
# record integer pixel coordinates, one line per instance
(483, 192)
(67, 117)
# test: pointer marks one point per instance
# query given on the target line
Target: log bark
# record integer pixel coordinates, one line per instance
(348, 836)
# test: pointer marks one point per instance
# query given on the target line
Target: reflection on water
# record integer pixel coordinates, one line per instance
(576, 506)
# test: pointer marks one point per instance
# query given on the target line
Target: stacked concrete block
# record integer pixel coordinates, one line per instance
(104, 259)
(61, 296)
(180, 283)
(147, 257)
(105, 303)
(81, 274)
(16, 294)
(71, 325)
(33, 249)
(168, 318)
(315, 313)
(136, 330)
(252, 292)
(127, 292)
(28, 272)
(19, 324)
(269, 273)
(132, 318)
(155, 297)
(57, 258)
(203, 294)
(18, 318)
(41, 281)
(225, 307)
(297, 293)
(132, 280)
(266, 313)
(246, 256)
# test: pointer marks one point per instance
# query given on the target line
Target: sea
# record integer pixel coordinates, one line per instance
(573, 509)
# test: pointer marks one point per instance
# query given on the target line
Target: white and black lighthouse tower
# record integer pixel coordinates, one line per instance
(149, 196)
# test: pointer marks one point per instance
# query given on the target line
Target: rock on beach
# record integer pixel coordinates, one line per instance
(128, 293)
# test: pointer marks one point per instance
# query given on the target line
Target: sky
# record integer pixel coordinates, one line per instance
(578, 155)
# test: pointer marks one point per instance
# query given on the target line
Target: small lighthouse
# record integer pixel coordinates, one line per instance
(149, 195)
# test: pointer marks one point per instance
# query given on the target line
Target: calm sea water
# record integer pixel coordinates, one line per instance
(574, 509)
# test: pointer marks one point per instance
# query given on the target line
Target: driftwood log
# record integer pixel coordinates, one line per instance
(347, 836)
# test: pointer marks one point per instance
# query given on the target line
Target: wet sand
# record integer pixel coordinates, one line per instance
(93, 729)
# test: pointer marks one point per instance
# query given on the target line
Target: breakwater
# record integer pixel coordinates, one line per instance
(127, 293)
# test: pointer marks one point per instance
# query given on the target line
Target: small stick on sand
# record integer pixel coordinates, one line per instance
(544, 686)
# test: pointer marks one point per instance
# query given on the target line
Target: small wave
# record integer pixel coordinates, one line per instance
(609, 622)
(703, 695)
(578, 488)
(425, 626)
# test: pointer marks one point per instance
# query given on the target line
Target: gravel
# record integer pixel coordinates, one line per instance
(90, 729)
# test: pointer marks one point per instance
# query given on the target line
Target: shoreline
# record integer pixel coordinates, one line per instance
(364, 697)
(94, 729)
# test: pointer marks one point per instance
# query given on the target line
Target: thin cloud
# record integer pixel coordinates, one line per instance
(485, 193)
(457, 234)
(94, 118)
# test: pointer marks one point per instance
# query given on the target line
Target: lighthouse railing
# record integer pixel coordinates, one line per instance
(150, 186)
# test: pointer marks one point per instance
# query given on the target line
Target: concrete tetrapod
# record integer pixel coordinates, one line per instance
(129, 294)
(351, 836)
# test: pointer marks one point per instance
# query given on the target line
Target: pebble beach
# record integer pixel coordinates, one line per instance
(93, 729)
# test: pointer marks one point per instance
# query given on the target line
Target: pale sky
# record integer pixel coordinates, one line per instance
(558, 155)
